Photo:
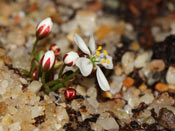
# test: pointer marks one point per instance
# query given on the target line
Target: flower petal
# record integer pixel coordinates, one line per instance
(102, 81)
(81, 44)
(108, 64)
(85, 66)
(48, 59)
(92, 45)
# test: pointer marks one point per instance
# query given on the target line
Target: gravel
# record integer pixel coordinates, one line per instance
(142, 95)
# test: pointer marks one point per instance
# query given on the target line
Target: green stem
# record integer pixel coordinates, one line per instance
(51, 83)
(43, 77)
(34, 46)
(57, 82)
(59, 85)
(61, 71)
(47, 89)
(33, 66)
(72, 75)
(25, 72)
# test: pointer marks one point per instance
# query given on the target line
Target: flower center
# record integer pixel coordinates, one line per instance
(93, 60)
(101, 55)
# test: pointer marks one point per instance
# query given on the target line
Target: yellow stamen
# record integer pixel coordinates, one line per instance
(105, 52)
(98, 53)
(103, 61)
(99, 48)
(107, 62)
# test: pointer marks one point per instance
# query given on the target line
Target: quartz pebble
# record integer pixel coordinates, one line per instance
(107, 122)
(87, 21)
(16, 37)
(170, 75)
(128, 62)
(20, 58)
(142, 59)
(118, 70)
(35, 86)
(163, 100)
(3, 86)
(157, 65)
(92, 93)
(71, 26)
(5, 9)
(167, 118)
(117, 83)
(15, 127)
(96, 127)
(37, 111)
(62, 114)
(81, 90)
(147, 97)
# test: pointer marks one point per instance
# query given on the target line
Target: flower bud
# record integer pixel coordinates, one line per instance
(48, 60)
(35, 74)
(44, 28)
(70, 58)
(70, 93)
(55, 49)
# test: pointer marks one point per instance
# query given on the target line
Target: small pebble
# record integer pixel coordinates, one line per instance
(16, 37)
(118, 70)
(15, 126)
(35, 86)
(81, 90)
(128, 82)
(107, 122)
(161, 87)
(128, 62)
(157, 65)
(143, 87)
(170, 75)
(142, 59)
(135, 46)
(107, 94)
(134, 124)
(171, 86)
(87, 21)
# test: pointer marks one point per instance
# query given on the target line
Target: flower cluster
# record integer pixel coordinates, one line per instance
(95, 58)
(44, 63)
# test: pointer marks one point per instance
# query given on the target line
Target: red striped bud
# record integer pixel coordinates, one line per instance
(70, 58)
(48, 60)
(35, 74)
(70, 93)
(55, 49)
(44, 28)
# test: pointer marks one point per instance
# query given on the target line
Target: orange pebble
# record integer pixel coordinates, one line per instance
(119, 104)
(142, 87)
(128, 82)
(135, 46)
(107, 94)
(161, 87)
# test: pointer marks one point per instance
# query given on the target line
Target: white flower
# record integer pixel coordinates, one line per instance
(70, 58)
(44, 28)
(48, 60)
(95, 57)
